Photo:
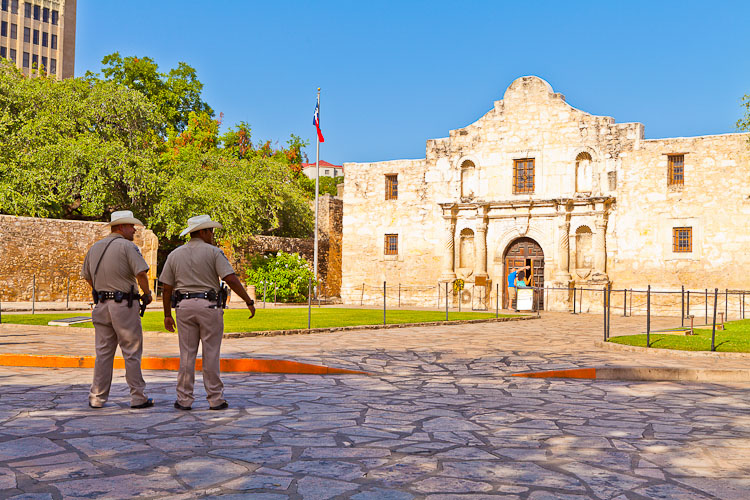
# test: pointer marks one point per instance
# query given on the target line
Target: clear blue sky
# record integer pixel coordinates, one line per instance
(394, 74)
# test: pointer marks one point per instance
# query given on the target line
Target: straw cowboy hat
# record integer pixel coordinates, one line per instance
(199, 222)
(123, 217)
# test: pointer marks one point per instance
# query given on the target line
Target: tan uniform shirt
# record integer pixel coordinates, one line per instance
(120, 264)
(195, 267)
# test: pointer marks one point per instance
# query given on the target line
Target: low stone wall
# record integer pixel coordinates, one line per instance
(43, 257)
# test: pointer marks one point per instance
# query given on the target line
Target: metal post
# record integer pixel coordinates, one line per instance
(604, 311)
(362, 298)
(648, 316)
(580, 303)
(459, 300)
(713, 330)
(609, 308)
(317, 291)
(574, 299)
(384, 303)
(446, 301)
(67, 294)
(399, 295)
(682, 313)
(438, 289)
(631, 303)
(706, 300)
(497, 300)
(309, 302)
(726, 303)
(264, 294)
(537, 291)
(687, 303)
(33, 295)
(624, 303)
(275, 292)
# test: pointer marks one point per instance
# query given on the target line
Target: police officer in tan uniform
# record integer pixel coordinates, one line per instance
(112, 267)
(191, 281)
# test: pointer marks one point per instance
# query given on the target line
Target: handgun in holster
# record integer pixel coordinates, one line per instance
(95, 296)
(221, 300)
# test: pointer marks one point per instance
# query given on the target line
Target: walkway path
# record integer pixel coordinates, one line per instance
(438, 419)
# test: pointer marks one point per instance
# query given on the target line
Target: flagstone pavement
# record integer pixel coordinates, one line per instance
(439, 418)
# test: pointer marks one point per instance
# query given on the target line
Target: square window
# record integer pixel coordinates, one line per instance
(27, 35)
(53, 42)
(26, 9)
(35, 61)
(391, 244)
(682, 239)
(45, 14)
(4, 28)
(45, 39)
(44, 63)
(53, 66)
(36, 37)
(13, 55)
(26, 58)
(37, 12)
(13, 31)
(5, 5)
(676, 170)
(55, 15)
(391, 186)
(3, 52)
(523, 176)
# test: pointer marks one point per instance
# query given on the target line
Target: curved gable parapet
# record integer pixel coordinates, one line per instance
(526, 86)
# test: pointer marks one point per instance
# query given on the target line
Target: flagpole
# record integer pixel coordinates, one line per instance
(317, 177)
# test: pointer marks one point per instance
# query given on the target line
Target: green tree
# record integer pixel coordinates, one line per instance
(290, 273)
(744, 122)
(326, 185)
(176, 93)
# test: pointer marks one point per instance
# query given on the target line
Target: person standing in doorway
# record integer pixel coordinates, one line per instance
(191, 283)
(112, 267)
(512, 285)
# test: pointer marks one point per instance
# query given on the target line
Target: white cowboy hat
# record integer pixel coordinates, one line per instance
(199, 222)
(123, 217)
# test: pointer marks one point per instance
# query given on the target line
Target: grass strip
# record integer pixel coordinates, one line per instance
(734, 338)
(287, 318)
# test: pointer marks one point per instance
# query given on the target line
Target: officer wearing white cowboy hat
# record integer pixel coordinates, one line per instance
(191, 281)
(112, 267)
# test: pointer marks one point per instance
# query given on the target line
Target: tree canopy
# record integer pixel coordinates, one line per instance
(139, 139)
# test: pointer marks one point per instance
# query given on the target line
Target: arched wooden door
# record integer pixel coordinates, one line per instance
(524, 252)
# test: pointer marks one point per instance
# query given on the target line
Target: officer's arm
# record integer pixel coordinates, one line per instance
(142, 279)
(166, 300)
(234, 283)
(91, 283)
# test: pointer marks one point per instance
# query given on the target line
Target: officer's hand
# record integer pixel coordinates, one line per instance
(251, 307)
(169, 323)
(147, 298)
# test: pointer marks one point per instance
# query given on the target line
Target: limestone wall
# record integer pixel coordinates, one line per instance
(714, 201)
(53, 250)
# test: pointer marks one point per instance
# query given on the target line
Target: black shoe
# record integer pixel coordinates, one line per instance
(95, 407)
(146, 404)
(178, 406)
(222, 406)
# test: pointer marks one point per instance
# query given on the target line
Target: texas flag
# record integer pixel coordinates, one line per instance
(316, 122)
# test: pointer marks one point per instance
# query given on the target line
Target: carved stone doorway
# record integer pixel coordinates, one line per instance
(524, 252)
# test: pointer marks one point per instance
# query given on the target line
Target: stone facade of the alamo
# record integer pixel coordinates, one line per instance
(584, 200)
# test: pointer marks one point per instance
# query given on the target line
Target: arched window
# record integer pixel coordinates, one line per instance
(467, 179)
(583, 173)
(584, 242)
(466, 248)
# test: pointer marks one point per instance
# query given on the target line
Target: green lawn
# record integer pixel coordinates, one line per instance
(735, 338)
(291, 318)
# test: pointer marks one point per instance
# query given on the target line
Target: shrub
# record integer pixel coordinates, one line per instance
(289, 272)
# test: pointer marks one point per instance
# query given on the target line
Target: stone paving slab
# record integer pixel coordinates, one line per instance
(440, 418)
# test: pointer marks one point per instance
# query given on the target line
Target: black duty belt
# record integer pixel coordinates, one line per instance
(117, 296)
(209, 295)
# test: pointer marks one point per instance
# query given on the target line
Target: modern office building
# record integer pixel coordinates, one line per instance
(39, 35)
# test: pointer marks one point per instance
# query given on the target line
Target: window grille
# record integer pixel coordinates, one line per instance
(391, 244)
(682, 239)
(523, 176)
(676, 170)
(391, 187)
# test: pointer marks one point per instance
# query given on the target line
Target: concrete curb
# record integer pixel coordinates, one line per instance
(655, 351)
(250, 365)
(305, 331)
(646, 373)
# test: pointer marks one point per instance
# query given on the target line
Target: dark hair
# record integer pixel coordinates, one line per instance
(521, 275)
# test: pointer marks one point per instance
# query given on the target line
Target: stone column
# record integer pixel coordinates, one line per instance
(563, 250)
(600, 249)
(447, 273)
(480, 249)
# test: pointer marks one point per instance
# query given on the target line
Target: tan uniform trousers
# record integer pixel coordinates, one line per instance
(117, 324)
(197, 322)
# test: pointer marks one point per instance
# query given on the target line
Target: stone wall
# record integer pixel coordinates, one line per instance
(600, 209)
(329, 249)
(53, 250)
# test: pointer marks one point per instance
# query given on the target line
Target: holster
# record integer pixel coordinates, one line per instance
(95, 296)
(130, 297)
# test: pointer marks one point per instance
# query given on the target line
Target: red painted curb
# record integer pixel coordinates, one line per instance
(588, 373)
